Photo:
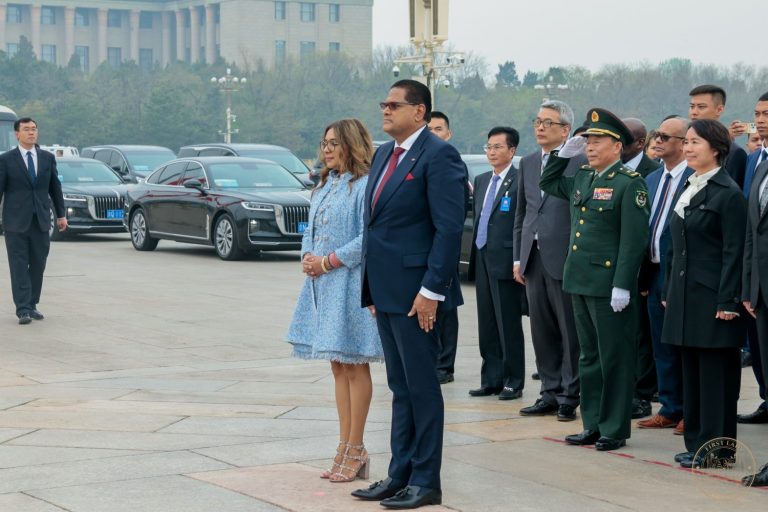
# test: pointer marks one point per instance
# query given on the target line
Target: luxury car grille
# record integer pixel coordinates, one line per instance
(102, 204)
(292, 216)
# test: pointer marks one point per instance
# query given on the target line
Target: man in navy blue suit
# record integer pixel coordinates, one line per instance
(663, 185)
(28, 182)
(414, 219)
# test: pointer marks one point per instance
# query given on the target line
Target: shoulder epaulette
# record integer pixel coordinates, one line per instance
(629, 172)
(586, 168)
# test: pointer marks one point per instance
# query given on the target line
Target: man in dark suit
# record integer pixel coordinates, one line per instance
(755, 274)
(755, 159)
(708, 102)
(414, 219)
(541, 245)
(663, 184)
(633, 156)
(500, 300)
(28, 182)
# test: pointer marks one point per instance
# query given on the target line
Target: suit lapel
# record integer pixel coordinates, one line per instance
(376, 169)
(401, 171)
(760, 174)
(22, 166)
(503, 188)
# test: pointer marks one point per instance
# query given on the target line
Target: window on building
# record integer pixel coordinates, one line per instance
(13, 14)
(48, 15)
(11, 49)
(145, 19)
(307, 11)
(114, 18)
(334, 13)
(334, 47)
(114, 56)
(82, 19)
(306, 49)
(145, 59)
(279, 52)
(279, 11)
(48, 53)
(83, 53)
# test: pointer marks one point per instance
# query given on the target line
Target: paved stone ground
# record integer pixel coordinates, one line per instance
(159, 382)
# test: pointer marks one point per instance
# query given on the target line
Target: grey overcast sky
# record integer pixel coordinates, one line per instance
(537, 34)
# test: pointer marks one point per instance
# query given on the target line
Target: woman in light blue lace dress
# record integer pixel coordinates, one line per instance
(329, 322)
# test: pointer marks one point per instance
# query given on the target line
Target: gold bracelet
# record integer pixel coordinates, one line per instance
(322, 265)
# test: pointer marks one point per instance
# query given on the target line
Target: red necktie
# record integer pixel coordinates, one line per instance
(387, 174)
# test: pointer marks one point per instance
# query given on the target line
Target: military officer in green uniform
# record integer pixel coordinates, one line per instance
(609, 232)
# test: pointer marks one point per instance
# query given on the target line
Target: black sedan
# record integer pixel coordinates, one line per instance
(235, 204)
(93, 197)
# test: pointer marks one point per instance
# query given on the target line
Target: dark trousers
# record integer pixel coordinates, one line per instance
(607, 364)
(761, 357)
(757, 351)
(417, 403)
(448, 338)
(711, 380)
(27, 254)
(500, 328)
(645, 367)
(553, 330)
(669, 365)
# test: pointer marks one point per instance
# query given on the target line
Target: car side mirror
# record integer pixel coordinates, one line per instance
(196, 185)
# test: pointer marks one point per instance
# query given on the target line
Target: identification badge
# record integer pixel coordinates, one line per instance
(603, 194)
(506, 202)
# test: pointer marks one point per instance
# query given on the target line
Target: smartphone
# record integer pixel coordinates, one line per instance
(750, 128)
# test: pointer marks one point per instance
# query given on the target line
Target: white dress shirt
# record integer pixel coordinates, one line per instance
(632, 164)
(677, 174)
(695, 185)
(33, 152)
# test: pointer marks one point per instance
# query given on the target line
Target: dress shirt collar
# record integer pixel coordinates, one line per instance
(632, 164)
(676, 170)
(408, 143)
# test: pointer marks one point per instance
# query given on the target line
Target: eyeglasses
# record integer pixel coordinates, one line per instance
(325, 143)
(664, 137)
(393, 105)
(495, 147)
(546, 123)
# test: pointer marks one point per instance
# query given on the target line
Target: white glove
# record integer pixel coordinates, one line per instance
(573, 146)
(619, 299)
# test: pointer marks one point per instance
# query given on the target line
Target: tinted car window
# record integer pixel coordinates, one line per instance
(194, 173)
(251, 175)
(85, 173)
(214, 152)
(155, 176)
(144, 162)
(103, 155)
(284, 158)
(171, 175)
(116, 161)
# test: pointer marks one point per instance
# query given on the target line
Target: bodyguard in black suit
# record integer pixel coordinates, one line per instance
(542, 231)
(500, 299)
(703, 290)
(28, 182)
(410, 262)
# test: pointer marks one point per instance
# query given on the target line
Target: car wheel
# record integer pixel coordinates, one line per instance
(225, 239)
(53, 233)
(140, 232)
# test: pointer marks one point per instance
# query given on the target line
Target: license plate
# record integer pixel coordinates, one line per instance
(114, 214)
(302, 226)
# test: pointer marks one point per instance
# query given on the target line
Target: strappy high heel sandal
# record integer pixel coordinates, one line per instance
(353, 465)
(337, 459)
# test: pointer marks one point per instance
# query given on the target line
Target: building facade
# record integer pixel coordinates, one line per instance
(158, 32)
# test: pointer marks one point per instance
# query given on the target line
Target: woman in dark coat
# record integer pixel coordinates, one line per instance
(703, 283)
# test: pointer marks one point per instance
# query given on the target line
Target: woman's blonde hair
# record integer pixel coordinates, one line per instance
(356, 149)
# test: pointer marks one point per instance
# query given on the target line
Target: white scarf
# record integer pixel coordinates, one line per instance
(695, 185)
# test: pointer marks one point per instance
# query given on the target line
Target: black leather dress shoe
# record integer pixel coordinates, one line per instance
(605, 444)
(36, 315)
(566, 412)
(484, 391)
(25, 319)
(540, 408)
(640, 408)
(413, 497)
(746, 358)
(585, 438)
(378, 491)
(760, 479)
(510, 393)
(444, 377)
(682, 456)
(759, 416)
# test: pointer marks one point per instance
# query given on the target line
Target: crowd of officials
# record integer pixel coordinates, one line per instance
(636, 255)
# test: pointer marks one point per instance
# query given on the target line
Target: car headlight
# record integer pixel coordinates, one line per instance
(258, 207)
(76, 197)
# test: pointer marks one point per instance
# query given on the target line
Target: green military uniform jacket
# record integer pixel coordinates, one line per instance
(609, 226)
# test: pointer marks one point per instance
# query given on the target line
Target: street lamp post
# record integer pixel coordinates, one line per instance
(550, 86)
(228, 84)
